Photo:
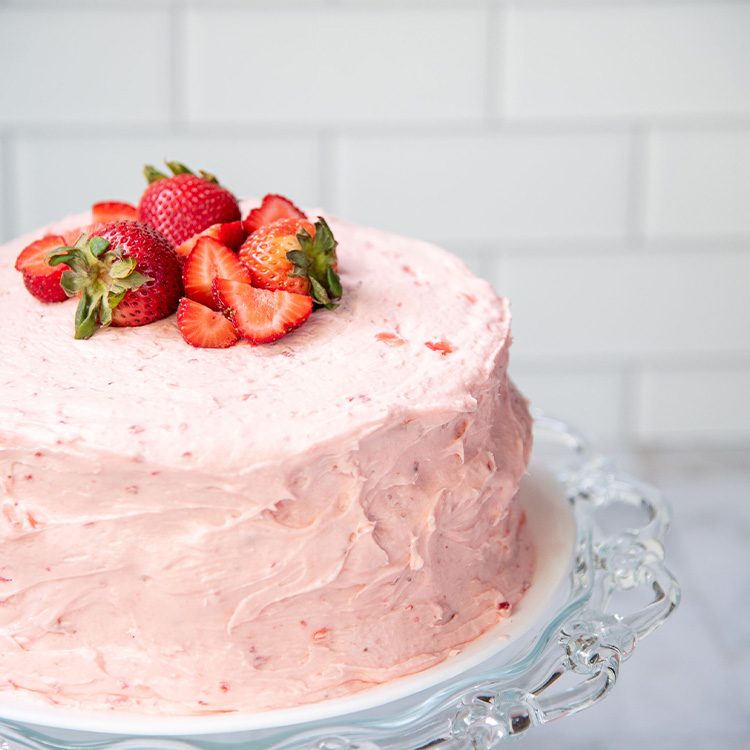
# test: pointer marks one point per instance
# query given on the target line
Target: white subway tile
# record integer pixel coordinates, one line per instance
(698, 182)
(76, 65)
(654, 305)
(483, 188)
(49, 188)
(620, 60)
(693, 405)
(332, 66)
(588, 399)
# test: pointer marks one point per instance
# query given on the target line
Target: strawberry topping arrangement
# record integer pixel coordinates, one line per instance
(186, 248)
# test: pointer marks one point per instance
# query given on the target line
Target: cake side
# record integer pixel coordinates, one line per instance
(194, 531)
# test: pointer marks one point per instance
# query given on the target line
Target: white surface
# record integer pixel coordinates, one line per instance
(84, 63)
(591, 393)
(721, 410)
(366, 79)
(627, 305)
(699, 182)
(651, 59)
(540, 186)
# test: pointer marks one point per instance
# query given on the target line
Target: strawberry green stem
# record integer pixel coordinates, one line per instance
(152, 174)
(100, 276)
(316, 261)
(176, 167)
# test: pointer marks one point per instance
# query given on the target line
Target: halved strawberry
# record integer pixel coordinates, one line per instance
(106, 211)
(260, 315)
(232, 234)
(271, 209)
(208, 261)
(204, 328)
(40, 278)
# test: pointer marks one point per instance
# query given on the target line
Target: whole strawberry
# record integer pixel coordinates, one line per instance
(295, 256)
(185, 204)
(128, 274)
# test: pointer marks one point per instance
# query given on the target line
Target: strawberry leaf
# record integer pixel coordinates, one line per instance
(319, 293)
(98, 245)
(86, 315)
(122, 268)
(208, 177)
(178, 168)
(334, 283)
(100, 275)
(300, 263)
(320, 252)
(152, 174)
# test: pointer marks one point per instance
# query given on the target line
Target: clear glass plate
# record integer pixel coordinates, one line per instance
(600, 586)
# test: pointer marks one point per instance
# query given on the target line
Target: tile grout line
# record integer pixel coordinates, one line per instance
(637, 188)
(408, 129)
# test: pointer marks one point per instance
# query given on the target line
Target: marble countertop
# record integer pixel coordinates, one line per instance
(686, 685)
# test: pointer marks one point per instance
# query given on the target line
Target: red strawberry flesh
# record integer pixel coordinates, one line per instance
(232, 234)
(108, 211)
(272, 208)
(208, 261)
(204, 328)
(260, 315)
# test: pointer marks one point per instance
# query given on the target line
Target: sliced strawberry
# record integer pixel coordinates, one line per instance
(271, 209)
(205, 328)
(107, 211)
(232, 234)
(260, 315)
(40, 278)
(208, 261)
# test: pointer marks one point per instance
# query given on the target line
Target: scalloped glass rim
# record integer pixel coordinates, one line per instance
(449, 702)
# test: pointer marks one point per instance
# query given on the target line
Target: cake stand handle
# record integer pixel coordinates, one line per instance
(632, 593)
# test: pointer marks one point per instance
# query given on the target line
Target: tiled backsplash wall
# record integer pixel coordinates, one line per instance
(591, 158)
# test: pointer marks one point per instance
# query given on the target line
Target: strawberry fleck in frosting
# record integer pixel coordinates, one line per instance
(187, 531)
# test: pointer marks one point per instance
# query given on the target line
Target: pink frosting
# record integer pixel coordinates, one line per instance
(188, 531)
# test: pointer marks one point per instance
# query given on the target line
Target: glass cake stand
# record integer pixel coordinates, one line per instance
(601, 585)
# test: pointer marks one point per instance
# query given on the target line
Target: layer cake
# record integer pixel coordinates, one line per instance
(188, 530)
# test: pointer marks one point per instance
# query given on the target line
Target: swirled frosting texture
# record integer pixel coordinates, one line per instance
(188, 531)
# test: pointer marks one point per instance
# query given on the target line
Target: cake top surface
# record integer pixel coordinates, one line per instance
(414, 331)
